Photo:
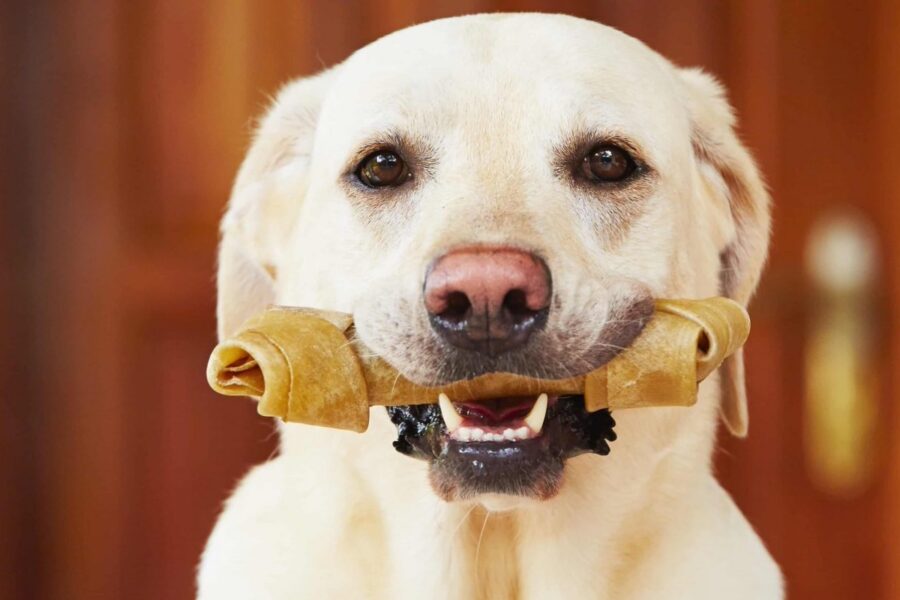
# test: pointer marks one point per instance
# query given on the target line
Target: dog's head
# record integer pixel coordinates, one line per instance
(498, 193)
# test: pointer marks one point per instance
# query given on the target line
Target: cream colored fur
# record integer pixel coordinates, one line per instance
(342, 515)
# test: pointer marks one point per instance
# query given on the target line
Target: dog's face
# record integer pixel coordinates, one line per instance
(497, 193)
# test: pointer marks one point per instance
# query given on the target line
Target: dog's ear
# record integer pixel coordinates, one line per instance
(265, 202)
(730, 172)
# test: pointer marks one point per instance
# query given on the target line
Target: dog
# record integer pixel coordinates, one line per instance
(504, 192)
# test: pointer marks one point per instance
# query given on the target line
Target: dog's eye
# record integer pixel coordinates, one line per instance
(382, 169)
(607, 163)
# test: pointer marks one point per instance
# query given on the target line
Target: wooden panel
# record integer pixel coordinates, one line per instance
(751, 72)
(18, 432)
(886, 202)
(188, 449)
(188, 72)
(73, 234)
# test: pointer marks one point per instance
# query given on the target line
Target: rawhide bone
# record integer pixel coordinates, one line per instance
(307, 366)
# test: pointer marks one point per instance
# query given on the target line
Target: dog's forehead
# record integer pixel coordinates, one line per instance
(551, 75)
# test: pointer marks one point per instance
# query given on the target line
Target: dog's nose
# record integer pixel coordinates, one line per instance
(488, 300)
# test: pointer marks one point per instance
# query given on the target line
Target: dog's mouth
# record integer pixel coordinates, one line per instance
(515, 446)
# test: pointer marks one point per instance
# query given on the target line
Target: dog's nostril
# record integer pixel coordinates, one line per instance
(458, 307)
(516, 305)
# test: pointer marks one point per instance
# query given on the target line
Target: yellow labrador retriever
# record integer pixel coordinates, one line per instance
(495, 192)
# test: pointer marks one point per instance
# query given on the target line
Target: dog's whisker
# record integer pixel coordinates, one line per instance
(487, 515)
(456, 529)
(394, 384)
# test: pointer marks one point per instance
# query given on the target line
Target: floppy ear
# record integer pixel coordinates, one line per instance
(729, 171)
(265, 202)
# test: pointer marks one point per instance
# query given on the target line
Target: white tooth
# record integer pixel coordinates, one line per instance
(463, 434)
(535, 418)
(521, 433)
(509, 434)
(451, 418)
(477, 434)
(496, 437)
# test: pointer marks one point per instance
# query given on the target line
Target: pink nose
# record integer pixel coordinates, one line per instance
(488, 300)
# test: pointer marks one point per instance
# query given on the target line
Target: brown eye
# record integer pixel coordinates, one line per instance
(607, 163)
(382, 169)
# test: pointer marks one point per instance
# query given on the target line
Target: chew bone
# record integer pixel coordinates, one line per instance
(307, 366)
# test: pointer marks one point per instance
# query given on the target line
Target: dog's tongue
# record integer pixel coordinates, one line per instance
(497, 411)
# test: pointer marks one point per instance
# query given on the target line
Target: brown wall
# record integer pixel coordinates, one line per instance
(123, 125)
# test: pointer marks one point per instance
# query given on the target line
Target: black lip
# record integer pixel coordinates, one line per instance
(532, 468)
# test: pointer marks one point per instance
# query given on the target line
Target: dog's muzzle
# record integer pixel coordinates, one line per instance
(503, 432)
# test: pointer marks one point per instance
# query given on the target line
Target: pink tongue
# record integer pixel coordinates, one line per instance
(495, 412)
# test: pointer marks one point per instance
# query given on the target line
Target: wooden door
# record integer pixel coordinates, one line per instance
(125, 123)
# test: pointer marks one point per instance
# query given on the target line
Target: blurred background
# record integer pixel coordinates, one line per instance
(123, 124)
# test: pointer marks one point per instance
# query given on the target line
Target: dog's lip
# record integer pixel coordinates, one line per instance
(495, 455)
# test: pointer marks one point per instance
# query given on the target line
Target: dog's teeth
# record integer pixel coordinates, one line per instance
(451, 418)
(535, 418)
(534, 423)
(476, 434)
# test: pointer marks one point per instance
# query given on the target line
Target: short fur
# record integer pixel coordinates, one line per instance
(489, 105)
